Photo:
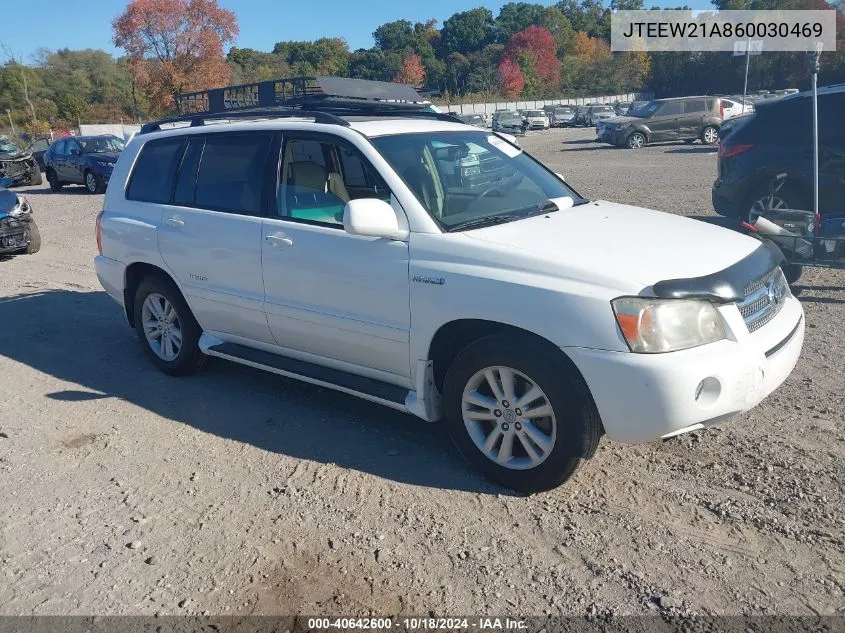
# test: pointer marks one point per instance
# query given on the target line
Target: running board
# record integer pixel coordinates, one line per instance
(367, 388)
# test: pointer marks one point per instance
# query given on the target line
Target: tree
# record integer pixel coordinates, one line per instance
(394, 36)
(517, 16)
(175, 45)
(468, 31)
(513, 81)
(374, 64)
(412, 72)
(535, 51)
(560, 28)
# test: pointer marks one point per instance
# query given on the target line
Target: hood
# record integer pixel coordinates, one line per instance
(109, 156)
(8, 201)
(627, 119)
(604, 115)
(20, 154)
(632, 246)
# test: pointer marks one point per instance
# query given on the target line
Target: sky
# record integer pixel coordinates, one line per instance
(262, 22)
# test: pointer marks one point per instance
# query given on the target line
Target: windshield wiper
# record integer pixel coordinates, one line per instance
(489, 220)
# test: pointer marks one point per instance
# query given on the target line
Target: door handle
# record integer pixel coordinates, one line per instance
(175, 221)
(278, 238)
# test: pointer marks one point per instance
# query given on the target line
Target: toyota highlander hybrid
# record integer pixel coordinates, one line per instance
(345, 244)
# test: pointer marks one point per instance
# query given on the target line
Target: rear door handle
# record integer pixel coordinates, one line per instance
(175, 221)
(275, 239)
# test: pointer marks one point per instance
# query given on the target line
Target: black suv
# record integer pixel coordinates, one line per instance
(778, 139)
(676, 119)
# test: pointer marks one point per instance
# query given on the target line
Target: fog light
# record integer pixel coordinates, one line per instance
(708, 391)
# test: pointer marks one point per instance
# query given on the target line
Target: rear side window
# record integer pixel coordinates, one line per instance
(152, 178)
(187, 180)
(695, 105)
(231, 173)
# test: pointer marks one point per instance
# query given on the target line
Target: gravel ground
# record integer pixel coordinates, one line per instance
(231, 492)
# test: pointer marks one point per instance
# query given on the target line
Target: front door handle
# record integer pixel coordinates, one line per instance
(278, 238)
(175, 221)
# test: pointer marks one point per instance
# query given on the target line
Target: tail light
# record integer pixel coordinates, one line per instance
(726, 150)
(721, 109)
(100, 231)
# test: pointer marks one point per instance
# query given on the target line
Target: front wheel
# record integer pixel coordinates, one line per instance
(167, 329)
(53, 179)
(635, 141)
(34, 239)
(519, 413)
(710, 135)
(35, 176)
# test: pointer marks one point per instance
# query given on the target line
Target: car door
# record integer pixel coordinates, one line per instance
(72, 168)
(691, 122)
(328, 293)
(209, 232)
(55, 156)
(665, 122)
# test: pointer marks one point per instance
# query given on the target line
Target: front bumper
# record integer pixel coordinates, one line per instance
(644, 397)
(15, 238)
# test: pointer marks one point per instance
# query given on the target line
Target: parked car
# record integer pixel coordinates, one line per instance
(580, 117)
(477, 120)
(82, 160)
(17, 165)
(18, 232)
(536, 120)
(509, 121)
(599, 112)
(38, 148)
(777, 139)
(528, 319)
(676, 119)
(733, 107)
(562, 116)
(621, 109)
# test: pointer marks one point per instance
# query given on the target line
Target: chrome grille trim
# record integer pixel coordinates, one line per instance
(764, 299)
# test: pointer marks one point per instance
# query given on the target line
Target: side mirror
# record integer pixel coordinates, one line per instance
(370, 217)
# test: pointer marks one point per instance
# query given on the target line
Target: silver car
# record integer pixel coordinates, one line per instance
(597, 113)
(562, 116)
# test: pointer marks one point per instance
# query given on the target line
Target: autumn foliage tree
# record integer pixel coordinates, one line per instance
(175, 46)
(513, 81)
(412, 72)
(534, 50)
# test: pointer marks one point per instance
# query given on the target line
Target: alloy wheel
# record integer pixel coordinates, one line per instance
(162, 328)
(91, 182)
(509, 418)
(711, 135)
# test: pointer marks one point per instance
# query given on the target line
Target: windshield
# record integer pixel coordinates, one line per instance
(6, 146)
(563, 110)
(100, 144)
(535, 113)
(602, 109)
(510, 117)
(647, 110)
(464, 177)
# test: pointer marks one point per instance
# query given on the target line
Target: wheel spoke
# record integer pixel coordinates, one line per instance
(533, 455)
(543, 441)
(480, 400)
(491, 440)
(494, 384)
(155, 308)
(529, 396)
(507, 378)
(176, 335)
(480, 416)
(169, 313)
(166, 348)
(506, 449)
(539, 412)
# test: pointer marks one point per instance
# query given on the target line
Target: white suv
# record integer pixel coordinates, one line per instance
(359, 253)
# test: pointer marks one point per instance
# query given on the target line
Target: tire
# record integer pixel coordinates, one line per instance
(188, 358)
(34, 239)
(574, 424)
(35, 177)
(792, 272)
(636, 140)
(92, 182)
(788, 197)
(710, 135)
(53, 179)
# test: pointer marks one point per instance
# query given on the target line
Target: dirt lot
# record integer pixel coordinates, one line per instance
(125, 491)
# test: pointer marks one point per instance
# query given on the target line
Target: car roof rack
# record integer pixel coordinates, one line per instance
(325, 99)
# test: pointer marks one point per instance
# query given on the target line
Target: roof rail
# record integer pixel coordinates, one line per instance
(196, 120)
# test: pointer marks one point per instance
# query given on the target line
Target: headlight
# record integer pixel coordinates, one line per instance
(653, 326)
(21, 208)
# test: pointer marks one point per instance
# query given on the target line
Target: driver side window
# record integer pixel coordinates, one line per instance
(317, 178)
(670, 109)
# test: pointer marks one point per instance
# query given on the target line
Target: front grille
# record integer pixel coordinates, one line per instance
(15, 168)
(764, 298)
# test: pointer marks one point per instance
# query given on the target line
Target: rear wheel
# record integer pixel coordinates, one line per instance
(34, 239)
(519, 413)
(93, 183)
(792, 272)
(710, 135)
(53, 179)
(167, 329)
(635, 140)
(787, 197)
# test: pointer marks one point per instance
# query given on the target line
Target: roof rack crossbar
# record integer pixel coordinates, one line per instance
(196, 120)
